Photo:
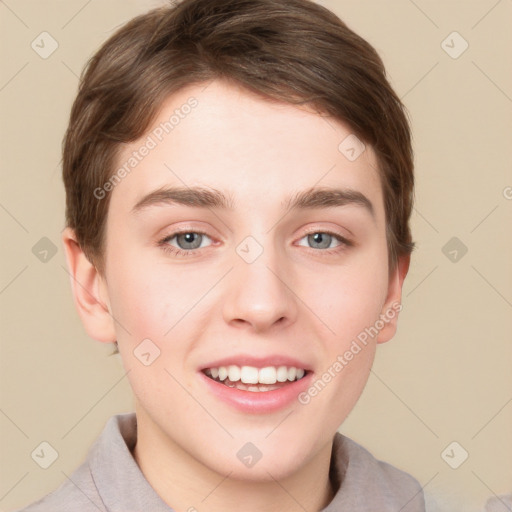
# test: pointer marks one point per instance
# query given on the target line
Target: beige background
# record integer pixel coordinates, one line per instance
(447, 374)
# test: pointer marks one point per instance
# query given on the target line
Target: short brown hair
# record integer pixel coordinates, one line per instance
(293, 51)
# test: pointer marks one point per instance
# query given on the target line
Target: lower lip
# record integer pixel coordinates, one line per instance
(258, 402)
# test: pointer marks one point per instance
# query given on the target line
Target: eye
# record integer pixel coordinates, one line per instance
(324, 240)
(185, 242)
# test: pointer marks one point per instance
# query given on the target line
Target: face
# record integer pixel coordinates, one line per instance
(244, 237)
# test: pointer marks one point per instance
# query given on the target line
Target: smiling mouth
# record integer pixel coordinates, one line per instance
(250, 378)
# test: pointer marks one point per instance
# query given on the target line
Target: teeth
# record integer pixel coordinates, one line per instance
(292, 373)
(253, 375)
(249, 375)
(234, 373)
(223, 373)
(267, 375)
(282, 374)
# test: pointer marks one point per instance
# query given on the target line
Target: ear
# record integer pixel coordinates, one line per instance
(392, 306)
(89, 291)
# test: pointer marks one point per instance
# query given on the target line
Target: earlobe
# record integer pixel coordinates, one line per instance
(393, 306)
(89, 291)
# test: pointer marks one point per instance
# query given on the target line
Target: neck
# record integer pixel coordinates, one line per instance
(185, 484)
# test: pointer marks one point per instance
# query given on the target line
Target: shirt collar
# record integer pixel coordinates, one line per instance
(366, 484)
(118, 478)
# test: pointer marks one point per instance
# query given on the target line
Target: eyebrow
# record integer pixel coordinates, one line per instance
(200, 197)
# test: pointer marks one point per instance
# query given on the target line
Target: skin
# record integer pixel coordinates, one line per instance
(295, 299)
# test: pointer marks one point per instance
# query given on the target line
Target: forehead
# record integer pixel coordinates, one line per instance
(258, 152)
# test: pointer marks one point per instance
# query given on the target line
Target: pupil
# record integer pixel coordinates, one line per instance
(320, 238)
(189, 240)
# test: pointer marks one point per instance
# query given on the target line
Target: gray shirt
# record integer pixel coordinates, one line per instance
(110, 480)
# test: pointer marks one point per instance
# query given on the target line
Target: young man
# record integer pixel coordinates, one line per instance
(239, 185)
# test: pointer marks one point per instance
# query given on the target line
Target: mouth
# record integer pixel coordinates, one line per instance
(257, 384)
(255, 379)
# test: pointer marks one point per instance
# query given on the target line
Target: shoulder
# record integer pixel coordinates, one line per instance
(369, 483)
(77, 494)
(385, 475)
(86, 489)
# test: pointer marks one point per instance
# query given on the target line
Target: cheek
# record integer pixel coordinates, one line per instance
(349, 300)
(350, 306)
(137, 306)
(150, 307)
(150, 299)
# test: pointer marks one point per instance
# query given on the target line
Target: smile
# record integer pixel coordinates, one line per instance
(250, 378)
(250, 389)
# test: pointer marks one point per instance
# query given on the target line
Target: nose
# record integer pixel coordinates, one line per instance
(261, 294)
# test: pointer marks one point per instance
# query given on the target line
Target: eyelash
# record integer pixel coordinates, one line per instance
(174, 250)
(344, 243)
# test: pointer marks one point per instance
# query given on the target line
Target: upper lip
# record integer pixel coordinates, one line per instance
(258, 362)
